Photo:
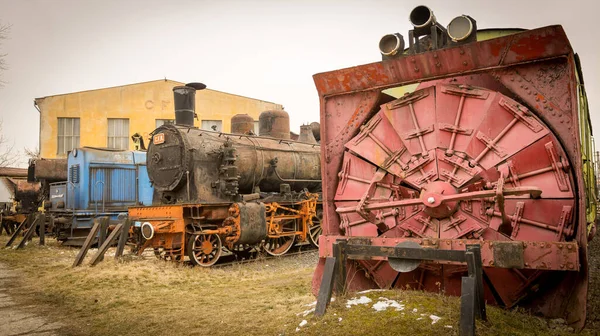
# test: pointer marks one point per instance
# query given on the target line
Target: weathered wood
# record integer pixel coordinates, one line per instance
(98, 257)
(123, 239)
(86, 244)
(326, 286)
(42, 229)
(103, 230)
(17, 232)
(478, 274)
(339, 251)
(467, 306)
(30, 231)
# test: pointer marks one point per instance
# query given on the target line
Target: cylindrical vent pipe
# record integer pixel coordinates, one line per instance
(274, 124)
(306, 134)
(184, 99)
(242, 124)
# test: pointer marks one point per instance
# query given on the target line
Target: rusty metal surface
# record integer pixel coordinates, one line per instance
(50, 170)
(242, 124)
(306, 134)
(194, 165)
(13, 172)
(444, 163)
(274, 124)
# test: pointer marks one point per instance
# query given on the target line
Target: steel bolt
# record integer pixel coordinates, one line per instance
(570, 266)
(465, 63)
(431, 200)
(527, 264)
(570, 247)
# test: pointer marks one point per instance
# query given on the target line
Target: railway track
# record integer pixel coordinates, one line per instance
(261, 256)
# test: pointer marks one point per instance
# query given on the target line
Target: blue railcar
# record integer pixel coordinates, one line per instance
(101, 182)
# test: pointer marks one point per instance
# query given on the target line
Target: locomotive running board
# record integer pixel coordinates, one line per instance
(472, 304)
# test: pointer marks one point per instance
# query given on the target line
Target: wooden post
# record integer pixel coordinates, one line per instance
(103, 230)
(326, 285)
(123, 239)
(467, 306)
(29, 234)
(16, 232)
(86, 245)
(99, 256)
(42, 225)
(339, 251)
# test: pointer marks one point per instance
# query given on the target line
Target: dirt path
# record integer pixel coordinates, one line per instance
(17, 320)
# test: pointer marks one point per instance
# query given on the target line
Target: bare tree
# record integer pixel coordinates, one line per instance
(8, 155)
(31, 153)
(3, 36)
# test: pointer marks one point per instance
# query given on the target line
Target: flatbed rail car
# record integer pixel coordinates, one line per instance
(465, 137)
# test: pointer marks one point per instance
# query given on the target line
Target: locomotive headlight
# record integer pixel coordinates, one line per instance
(147, 230)
(391, 44)
(460, 28)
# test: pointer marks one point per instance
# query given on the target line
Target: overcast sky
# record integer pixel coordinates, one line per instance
(266, 49)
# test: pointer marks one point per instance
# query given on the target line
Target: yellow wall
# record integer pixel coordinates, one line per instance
(141, 103)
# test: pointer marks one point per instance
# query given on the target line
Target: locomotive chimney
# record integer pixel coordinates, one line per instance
(306, 134)
(184, 99)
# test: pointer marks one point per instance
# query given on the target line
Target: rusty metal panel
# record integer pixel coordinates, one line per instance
(505, 159)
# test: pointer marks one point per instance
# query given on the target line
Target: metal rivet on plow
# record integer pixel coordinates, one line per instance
(431, 200)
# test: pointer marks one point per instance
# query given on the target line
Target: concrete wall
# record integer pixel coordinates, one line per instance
(141, 103)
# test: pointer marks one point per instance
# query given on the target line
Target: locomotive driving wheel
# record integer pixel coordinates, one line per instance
(456, 162)
(283, 240)
(315, 230)
(204, 250)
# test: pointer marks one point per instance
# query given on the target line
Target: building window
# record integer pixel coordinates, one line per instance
(160, 122)
(212, 125)
(68, 134)
(118, 133)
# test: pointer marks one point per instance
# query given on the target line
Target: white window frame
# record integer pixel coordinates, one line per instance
(68, 135)
(118, 133)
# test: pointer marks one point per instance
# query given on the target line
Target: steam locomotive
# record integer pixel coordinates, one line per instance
(216, 191)
(465, 137)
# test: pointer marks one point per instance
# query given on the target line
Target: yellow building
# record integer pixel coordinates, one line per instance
(109, 117)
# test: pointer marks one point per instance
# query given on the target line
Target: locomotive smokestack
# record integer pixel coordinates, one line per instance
(184, 99)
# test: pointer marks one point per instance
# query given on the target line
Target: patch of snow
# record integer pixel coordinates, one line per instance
(383, 305)
(434, 319)
(303, 323)
(306, 312)
(340, 319)
(420, 318)
(311, 304)
(414, 310)
(448, 326)
(357, 301)
(297, 329)
(370, 291)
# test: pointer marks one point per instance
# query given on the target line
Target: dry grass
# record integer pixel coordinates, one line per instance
(144, 296)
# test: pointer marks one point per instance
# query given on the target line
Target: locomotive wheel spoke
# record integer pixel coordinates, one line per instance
(204, 250)
(315, 230)
(279, 245)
